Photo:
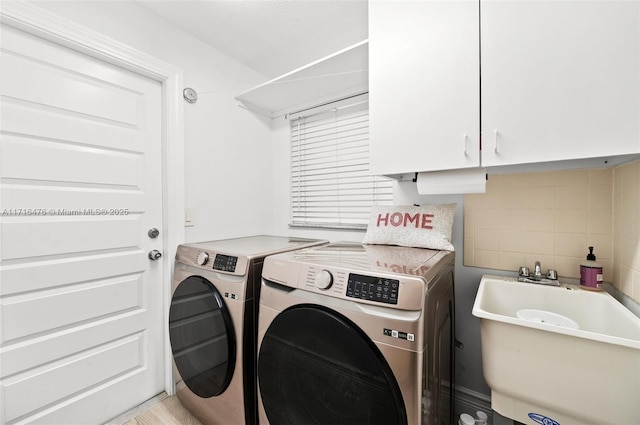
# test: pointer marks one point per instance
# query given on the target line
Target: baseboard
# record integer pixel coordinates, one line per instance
(469, 401)
(130, 414)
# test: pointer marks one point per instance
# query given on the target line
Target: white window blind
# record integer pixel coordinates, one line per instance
(330, 181)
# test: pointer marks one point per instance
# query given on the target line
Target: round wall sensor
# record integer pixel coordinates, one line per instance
(190, 95)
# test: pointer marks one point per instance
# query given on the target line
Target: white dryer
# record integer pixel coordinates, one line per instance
(356, 334)
(213, 321)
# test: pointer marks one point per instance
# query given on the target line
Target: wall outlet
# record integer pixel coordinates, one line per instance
(189, 217)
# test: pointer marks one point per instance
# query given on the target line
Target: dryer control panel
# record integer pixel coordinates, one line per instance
(372, 288)
(225, 263)
(195, 256)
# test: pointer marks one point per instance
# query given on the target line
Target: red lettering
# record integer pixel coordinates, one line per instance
(410, 219)
(399, 219)
(385, 219)
(396, 219)
(403, 268)
(426, 222)
(396, 268)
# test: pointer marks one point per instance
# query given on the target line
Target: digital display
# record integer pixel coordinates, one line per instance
(371, 288)
(225, 263)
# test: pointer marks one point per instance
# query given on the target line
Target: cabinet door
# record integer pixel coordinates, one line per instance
(560, 80)
(423, 85)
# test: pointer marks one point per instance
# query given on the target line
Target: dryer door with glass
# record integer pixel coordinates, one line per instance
(202, 337)
(316, 366)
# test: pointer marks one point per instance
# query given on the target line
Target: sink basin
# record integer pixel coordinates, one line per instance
(563, 354)
(543, 316)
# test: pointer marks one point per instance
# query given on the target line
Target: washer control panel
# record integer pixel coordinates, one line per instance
(385, 290)
(225, 263)
(372, 288)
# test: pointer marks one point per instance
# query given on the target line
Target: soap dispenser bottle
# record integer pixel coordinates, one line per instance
(591, 273)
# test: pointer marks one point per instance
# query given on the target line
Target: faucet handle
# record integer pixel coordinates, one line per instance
(523, 272)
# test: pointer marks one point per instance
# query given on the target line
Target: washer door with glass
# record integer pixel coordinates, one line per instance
(316, 366)
(202, 337)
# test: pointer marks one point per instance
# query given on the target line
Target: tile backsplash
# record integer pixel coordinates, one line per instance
(626, 229)
(553, 217)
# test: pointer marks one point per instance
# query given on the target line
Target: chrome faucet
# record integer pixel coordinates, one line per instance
(551, 279)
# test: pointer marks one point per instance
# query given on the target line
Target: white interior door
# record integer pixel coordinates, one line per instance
(81, 318)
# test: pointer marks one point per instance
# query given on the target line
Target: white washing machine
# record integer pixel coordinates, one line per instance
(356, 334)
(213, 321)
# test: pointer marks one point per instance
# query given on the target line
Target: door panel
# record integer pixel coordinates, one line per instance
(81, 320)
(42, 161)
(42, 275)
(64, 343)
(27, 392)
(47, 86)
(49, 76)
(66, 306)
(45, 236)
(19, 116)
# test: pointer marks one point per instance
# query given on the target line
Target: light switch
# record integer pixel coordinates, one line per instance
(189, 217)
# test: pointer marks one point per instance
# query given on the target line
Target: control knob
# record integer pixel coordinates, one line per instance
(202, 259)
(324, 279)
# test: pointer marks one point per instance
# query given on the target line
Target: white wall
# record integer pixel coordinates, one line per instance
(225, 145)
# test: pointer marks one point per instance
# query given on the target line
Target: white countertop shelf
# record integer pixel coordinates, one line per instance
(336, 76)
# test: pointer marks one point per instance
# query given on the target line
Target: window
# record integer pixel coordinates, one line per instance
(330, 181)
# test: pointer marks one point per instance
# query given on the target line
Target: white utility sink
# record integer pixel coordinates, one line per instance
(561, 354)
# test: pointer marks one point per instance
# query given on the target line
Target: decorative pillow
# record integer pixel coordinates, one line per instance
(426, 226)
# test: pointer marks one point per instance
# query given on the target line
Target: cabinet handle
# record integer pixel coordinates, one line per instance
(495, 141)
(466, 145)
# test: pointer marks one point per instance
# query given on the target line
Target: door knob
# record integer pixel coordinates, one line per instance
(153, 233)
(154, 255)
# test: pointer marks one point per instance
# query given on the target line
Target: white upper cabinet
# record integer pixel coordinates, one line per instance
(560, 80)
(423, 85)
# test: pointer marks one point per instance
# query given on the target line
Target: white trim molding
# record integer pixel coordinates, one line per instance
(41, 23)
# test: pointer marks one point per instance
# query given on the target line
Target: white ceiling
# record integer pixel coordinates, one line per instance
(272, 37)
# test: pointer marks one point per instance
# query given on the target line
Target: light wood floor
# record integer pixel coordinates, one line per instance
(167, 412)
